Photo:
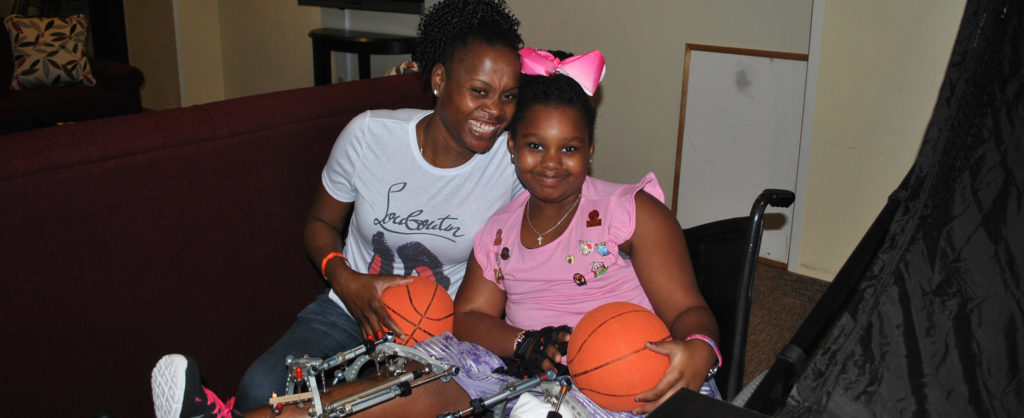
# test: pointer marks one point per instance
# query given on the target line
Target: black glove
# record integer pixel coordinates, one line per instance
(532, 351)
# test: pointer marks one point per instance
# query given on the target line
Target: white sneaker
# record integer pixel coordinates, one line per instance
(179, 393)
(168, 382)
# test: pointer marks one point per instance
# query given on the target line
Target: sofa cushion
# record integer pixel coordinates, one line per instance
(48, 51)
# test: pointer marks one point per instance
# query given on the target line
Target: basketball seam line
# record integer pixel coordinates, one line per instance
(416, 325)
(584, 372)
(601, 324)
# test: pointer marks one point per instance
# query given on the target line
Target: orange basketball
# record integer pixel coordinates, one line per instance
(607, 357)
(422, 308)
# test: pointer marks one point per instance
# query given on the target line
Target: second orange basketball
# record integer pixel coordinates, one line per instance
(607, 357)
(422, 309)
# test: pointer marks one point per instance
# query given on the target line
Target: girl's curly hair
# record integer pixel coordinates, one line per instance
(451, 25)
(557, 90)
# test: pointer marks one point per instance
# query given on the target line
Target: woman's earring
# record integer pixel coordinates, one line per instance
(436, 93)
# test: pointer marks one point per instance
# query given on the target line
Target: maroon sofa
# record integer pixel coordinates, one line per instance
(116, 93)
(125, 238)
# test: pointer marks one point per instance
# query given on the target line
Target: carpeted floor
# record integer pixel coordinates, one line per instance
(781, 302)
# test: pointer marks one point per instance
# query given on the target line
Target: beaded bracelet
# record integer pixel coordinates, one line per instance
(705, 338)
(519, 339)
(328, 257)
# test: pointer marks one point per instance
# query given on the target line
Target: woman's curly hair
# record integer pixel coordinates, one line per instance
(451, 25)
(557, 90)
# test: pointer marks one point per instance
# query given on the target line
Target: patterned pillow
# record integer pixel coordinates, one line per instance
(48, 51)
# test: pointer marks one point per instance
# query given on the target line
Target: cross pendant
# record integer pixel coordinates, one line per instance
(540, 240)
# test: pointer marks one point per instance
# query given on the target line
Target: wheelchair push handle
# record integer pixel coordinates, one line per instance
(777, 197)
(769, 197)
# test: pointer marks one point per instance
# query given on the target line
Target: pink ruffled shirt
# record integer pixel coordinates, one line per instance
(580, 270)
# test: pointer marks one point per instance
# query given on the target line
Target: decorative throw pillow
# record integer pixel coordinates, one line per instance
(48, 51)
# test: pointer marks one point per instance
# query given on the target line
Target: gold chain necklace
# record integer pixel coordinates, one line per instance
(540, 235)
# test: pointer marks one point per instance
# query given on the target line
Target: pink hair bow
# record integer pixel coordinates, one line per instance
(586, 69)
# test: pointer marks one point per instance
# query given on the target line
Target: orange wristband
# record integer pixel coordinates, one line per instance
(328, 257)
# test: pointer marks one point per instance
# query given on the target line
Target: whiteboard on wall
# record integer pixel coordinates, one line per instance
(739, 133)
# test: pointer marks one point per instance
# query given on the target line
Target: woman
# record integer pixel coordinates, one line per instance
(417, 184)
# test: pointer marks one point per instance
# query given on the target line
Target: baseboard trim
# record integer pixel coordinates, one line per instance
(773, 263)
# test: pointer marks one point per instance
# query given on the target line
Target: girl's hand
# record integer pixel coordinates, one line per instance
(688, 367)
(539, 351)
(554, 357)
(361, 295)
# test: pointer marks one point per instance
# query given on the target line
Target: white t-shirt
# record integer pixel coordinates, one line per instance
(409, 217)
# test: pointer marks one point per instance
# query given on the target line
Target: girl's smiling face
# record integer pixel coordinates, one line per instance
(552, 149)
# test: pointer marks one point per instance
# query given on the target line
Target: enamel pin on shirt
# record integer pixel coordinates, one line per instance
(586, 247)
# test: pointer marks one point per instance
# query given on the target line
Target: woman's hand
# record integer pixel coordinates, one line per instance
(361, 295)
(689, 362)
(359, 292)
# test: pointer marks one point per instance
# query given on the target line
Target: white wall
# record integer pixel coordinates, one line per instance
(266, 45)
(200, 55)
(152, 47)
(881, 67)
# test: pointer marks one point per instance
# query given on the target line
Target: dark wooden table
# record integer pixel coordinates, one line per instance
(361, 43)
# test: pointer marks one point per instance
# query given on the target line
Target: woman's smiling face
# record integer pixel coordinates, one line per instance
(478, 94)
(552, 149)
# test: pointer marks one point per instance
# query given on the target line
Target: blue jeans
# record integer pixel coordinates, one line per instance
(322, 329)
